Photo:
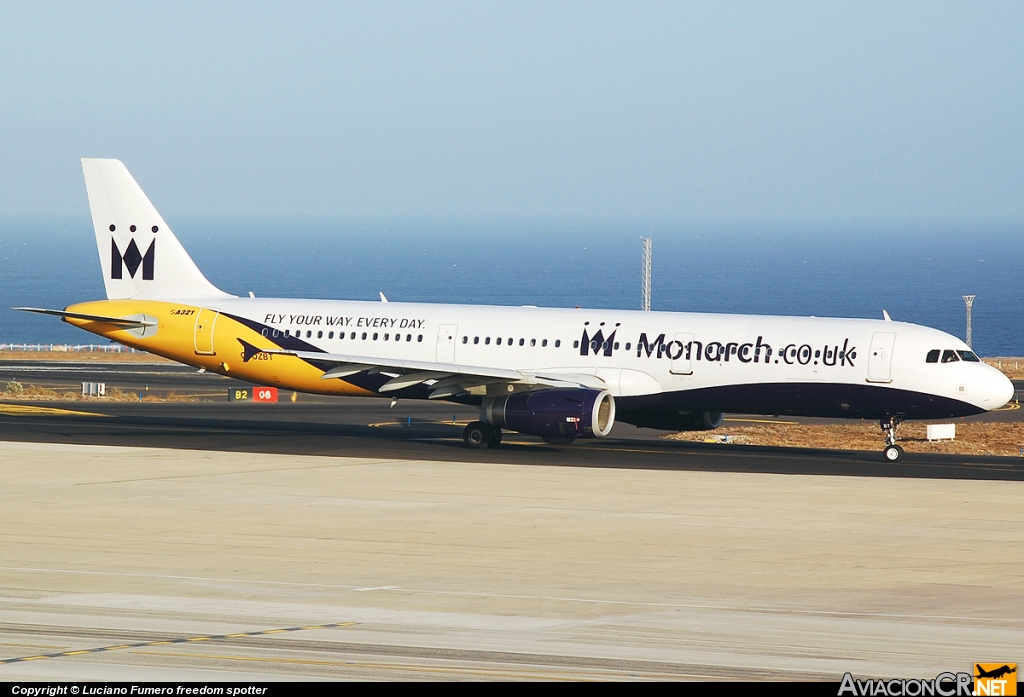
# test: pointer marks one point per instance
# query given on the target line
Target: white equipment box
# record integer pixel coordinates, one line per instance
(941, 431)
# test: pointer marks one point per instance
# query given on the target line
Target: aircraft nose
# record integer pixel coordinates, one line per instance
(999, 390)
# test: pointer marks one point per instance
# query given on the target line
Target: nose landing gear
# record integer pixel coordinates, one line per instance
(890, 425)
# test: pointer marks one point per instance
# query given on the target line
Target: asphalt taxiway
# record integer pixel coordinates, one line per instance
(356, 427)
(316, 425)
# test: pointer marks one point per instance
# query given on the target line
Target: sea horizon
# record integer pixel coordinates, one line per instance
(917, 271)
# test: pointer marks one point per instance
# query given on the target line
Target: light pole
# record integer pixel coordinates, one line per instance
(646, 275)
(969, 301)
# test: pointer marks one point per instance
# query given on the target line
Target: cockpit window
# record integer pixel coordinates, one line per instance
(933, 356)
(949, 356)
(969, 356)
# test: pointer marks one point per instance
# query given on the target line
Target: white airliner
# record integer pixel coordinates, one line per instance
(559, 374)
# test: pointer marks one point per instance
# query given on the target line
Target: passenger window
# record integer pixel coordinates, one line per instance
(558, 342)
(933, 356)
(330, 335)
(949, 357)
(497, 342)
(287, 332)
(487, 341)
(544, 343)
(375, 336)
(533, 342)
(309, 333)
(408, 337)
(522, 341)
(617, 346)
(627, 345)
(419, 338)
(575, 344)
(264, 332)
(364, 336)
(465, 339)
(969, 356)
(319, 335)
(353, 336)
(476, 340)
(386, 336)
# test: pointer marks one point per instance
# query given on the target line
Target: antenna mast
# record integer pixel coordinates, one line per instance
(646, 275)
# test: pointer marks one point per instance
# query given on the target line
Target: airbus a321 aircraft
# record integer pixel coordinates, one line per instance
(559, 374)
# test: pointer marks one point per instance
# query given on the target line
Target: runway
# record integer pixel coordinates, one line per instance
(315, 425)
(333, 538)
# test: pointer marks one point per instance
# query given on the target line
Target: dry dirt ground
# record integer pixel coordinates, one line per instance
(35, 393)
(1013, 368)
(972, 437)
(83, 356)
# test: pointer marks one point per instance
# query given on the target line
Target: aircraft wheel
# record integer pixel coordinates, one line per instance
(478, 435)
(496, 436)
(893, 453)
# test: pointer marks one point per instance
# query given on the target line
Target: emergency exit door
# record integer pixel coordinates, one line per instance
(446, 343)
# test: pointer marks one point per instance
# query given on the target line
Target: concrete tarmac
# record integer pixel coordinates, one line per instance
(341, 538)
(153, 563)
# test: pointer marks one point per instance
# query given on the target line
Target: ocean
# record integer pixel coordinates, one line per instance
(917, 273)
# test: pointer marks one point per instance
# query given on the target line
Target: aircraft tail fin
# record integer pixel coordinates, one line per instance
(140, 256)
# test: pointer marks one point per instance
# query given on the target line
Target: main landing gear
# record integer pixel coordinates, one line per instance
(890, 425)
(480, 435)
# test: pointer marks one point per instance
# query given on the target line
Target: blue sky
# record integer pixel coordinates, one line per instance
(653, 111)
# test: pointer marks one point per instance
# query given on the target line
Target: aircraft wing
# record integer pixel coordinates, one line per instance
(449, 379)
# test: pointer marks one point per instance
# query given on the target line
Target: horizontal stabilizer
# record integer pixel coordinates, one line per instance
(124, 322)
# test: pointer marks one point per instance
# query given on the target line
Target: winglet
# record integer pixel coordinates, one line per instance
(248, 350)
(886, 317)
(382, 298)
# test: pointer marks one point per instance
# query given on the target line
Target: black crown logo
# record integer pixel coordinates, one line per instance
(131, 258)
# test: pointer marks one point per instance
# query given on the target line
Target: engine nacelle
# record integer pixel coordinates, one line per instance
(553, 413)
(675, 420)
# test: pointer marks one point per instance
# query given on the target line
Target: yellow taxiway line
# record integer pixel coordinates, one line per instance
(31, 410)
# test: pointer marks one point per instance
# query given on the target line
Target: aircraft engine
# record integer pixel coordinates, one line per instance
(561, 414)
(673, 420)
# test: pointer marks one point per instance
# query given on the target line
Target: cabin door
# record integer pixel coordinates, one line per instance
(880, 357)
(206, 320)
